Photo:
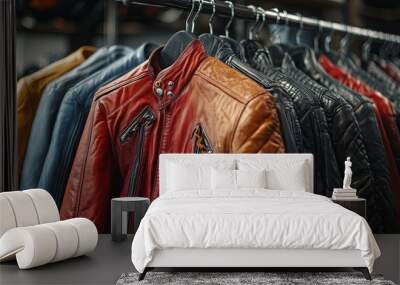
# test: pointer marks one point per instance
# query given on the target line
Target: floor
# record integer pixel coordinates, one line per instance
(110, 260)
(103, 266)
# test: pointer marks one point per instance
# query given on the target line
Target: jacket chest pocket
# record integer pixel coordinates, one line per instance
(201, 143)
(135, 134)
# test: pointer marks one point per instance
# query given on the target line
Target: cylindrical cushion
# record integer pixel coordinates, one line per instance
(23, 208)
(67, 240)
(7, 218)
(26, 208)
(41, 244)
(87, 234)
(33, 246)
(46, 208)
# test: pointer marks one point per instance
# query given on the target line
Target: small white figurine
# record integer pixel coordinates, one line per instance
(347, 174)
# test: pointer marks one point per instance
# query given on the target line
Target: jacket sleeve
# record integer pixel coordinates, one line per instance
(258, 128)
(88, 190)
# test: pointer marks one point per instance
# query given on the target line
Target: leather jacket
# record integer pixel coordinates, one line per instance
(343, 127)
(349, 67)
(42, 127)
(385, 118)
(30, 90)
(71, 120)
(198, 104)
(380, 209)
(290, 127)
(390, 69)
(378, 73)
(312, 119)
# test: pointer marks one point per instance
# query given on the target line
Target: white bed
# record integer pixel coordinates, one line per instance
(203, 226)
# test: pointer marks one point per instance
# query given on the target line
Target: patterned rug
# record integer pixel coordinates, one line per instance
(244, 278)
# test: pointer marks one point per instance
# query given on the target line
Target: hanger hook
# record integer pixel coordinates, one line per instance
(366, 48)
(252, 27)
(212, 17)
(197, 15)
(317, 36)
(328, 39)
(188, 19)
(300, 30)
(228, 25)
(261, 11)
(345, 41)
(278, 18)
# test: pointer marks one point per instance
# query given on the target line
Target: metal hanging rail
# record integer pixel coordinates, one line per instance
(246, 13)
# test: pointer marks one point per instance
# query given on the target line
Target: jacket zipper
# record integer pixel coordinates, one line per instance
(138, 126)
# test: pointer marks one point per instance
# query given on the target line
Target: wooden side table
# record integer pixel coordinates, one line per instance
(120, 207)
(357, 205)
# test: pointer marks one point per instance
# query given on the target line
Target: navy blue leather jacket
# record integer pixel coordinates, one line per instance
(42, 127)
(72, 117)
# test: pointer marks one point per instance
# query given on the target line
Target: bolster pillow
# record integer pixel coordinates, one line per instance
(40, 244)
(26, 208)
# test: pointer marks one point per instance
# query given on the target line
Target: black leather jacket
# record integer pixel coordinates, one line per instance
(344, 129)
(222, 50)
(373, 171)
(312, 120)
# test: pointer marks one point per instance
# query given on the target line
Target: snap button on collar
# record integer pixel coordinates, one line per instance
(159, 92)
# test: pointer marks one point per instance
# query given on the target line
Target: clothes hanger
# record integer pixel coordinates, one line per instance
(328, 41)
(233, 44)
(228, 25)
(211, 41)
(250, 34)
(344, 42)
(365, 52)
(261, 24)
(256, 43)
(210, 25)
(317, 37)
(300, 30)
(276, 50)
(180, 40)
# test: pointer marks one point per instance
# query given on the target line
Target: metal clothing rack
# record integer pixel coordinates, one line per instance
(246, 13)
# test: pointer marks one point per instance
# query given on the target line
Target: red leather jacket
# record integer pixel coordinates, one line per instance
(198, 104)
(385, 116)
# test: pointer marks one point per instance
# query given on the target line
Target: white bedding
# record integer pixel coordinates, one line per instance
(252, 218)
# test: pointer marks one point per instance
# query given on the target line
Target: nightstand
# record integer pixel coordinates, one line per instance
(357, 205)
(120, 207)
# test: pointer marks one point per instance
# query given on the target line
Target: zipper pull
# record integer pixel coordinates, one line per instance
(144, 119)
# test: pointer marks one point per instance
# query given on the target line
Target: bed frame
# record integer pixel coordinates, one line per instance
(242, 259)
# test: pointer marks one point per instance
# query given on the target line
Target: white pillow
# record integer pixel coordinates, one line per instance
(291, 180)
(251, 178)
(286, 174)
(223, 179)
(182, 177)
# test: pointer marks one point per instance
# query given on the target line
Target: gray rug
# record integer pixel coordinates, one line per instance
(243, 278)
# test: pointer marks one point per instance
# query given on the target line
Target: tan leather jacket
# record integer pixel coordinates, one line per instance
(30, 89)
(198, 104)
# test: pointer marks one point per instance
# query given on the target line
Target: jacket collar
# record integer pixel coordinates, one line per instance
(144, 51)
(173, 79)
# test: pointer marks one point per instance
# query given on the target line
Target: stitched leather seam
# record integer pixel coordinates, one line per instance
(236, 125)
(82, 173)
(121, 84)
(226, 90)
